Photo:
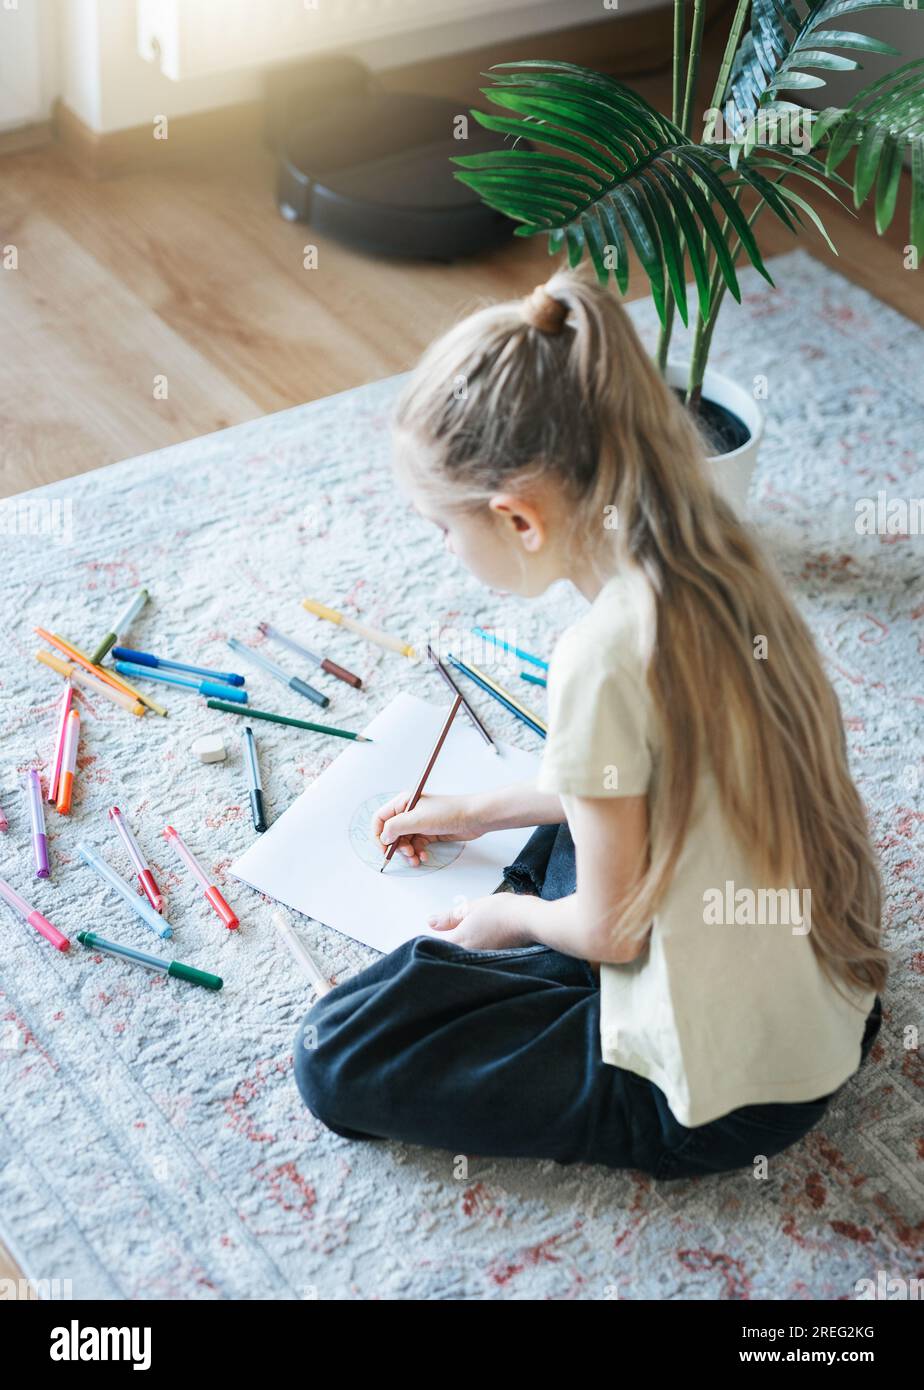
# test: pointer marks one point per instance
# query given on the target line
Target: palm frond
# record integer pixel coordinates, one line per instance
(882, 121)
(784, 50)
(615, 173)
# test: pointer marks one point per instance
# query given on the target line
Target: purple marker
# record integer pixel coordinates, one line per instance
(37, 812)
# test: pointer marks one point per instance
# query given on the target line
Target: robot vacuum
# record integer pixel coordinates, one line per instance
(373, 172)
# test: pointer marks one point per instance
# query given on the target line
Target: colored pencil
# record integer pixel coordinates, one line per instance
(428, 768)
(509, 647)
(533, 680)
(489, 690)
(500, 693)
(286, 719)
(465, 704)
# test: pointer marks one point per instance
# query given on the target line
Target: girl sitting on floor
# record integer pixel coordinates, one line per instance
(610, 1009)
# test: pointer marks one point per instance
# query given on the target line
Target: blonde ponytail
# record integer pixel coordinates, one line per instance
(499, 398)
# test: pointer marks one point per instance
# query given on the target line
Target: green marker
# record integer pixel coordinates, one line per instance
(285, 719)
(122, 624)
(165, 967)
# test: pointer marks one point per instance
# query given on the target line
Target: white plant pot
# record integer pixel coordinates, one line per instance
(732, 472)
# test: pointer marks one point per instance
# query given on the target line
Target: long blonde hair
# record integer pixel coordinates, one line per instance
(495, 400)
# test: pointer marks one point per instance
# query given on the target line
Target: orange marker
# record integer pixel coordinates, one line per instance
(68, 763)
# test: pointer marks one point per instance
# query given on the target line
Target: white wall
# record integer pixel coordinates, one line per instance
(86, 51)
(28, 63)
(110, 86)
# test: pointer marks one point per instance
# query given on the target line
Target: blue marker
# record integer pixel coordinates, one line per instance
(146, 659)
(140, 906)
(212, 689)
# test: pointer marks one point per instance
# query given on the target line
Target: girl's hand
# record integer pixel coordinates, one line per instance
(433, 818)
(494, 923)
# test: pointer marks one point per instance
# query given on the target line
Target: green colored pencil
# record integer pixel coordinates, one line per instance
(285, 719)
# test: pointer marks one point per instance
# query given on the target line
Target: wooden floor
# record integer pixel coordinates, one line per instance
(191, 274)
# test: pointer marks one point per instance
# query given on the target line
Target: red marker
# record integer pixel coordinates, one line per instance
(195, 868)
(148, 887)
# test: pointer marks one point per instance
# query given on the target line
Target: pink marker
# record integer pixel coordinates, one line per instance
(148, 887)
(53, 781)
(195, 868)
(34, 918)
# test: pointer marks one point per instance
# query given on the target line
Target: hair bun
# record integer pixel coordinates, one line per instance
(541, 310)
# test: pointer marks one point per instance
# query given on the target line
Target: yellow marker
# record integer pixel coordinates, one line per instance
(371, 634)
(83, 678)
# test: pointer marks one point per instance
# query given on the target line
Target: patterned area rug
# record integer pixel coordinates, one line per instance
(152, 1142)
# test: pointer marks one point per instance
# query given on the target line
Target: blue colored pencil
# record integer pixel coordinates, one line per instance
(491, 691)
(508, 647)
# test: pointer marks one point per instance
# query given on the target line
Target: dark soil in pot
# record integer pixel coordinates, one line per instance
(722, 429)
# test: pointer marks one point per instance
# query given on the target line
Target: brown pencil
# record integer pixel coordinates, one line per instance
(422, 781)
(465, 704)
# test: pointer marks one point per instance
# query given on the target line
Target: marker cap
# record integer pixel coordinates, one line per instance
(151, 891)
(303, 688)
(48, 930)
(226, 913)
(321, 610)
(340, 672)
(194, 976)
(257, 810)
(215, 691)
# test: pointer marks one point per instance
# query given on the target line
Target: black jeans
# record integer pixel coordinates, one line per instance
(497, 1053)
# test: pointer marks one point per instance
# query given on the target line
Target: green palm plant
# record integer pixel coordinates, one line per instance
(613, 172)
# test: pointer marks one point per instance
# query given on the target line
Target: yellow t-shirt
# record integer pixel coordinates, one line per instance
(727, 1005)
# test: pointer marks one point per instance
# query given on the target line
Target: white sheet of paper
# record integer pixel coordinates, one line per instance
(320, 857)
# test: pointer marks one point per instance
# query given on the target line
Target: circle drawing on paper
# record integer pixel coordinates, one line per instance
(365, 846)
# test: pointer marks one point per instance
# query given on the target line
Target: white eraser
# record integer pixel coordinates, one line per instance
(210, 748)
